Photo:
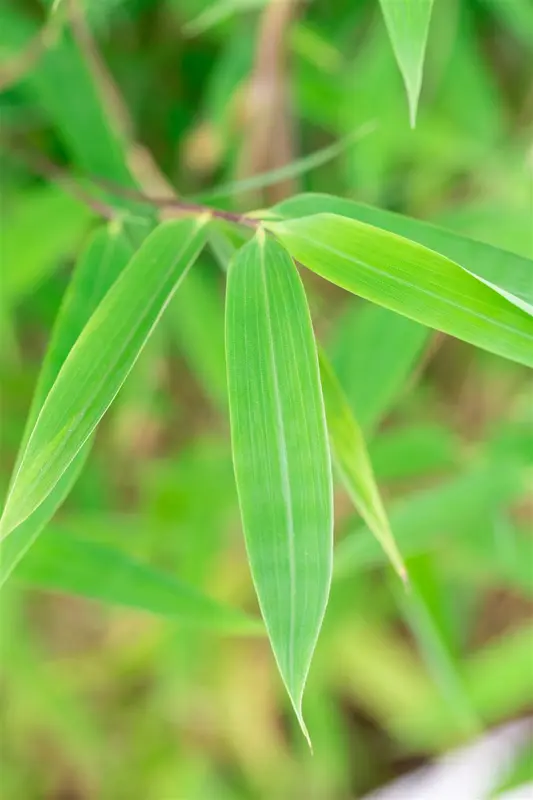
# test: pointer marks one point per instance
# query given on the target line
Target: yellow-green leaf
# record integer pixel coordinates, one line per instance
(100, 361)
(411, 280)
(354, 466)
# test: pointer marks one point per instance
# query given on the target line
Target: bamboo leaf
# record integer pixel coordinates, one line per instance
(354, 466)
(60, 562)
(105, 256)
(100, 361)
(508, 271)
(407, 23)
(280, 452)
(409, 279)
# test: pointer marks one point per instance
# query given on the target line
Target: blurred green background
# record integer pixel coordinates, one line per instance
(104, 702)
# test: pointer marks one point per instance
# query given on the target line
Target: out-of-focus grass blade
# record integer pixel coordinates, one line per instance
(447, 512)
(518, 16)
(409, 279)
(418, 606)
(280, 452)
(60, 562)
(374, 352)
(64, 85)
(105, 256)
(196, 316)
(414, 451)
(218, 12)
(503, 269)
(292, 170)
(407, 23)
(353, 463)
(28, 260)
(100, 361)
(498, 681)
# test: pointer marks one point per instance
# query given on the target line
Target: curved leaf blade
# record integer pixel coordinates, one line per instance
(509, 273)
(354, 466)
(105, 256)
(60, 562)
(409, 279)
(407, 24)
(280, 452)
(100, 361)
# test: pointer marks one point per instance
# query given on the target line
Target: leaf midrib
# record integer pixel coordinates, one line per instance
(283, 463)
(423, 290)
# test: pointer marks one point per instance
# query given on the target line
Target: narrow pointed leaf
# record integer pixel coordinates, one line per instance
(63, 563)
(107, 253)
(353, 463)
(407, 24)
(411, 280)
(100, 361)
(510, 273)
(280, 452)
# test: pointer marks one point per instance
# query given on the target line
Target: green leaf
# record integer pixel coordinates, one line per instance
(100, 361)
(353, 463)
(280, 452)
(196, 318)
(376, 372)
(407, 23)
(409, 279)
(105, 256)
(28, 260)
(501, 268)
(441, 515)
(60, 562)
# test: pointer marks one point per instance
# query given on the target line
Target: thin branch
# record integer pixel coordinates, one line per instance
(17, 67)
(41, 165)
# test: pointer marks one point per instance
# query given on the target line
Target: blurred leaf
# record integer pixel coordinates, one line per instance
(59, 562)
(292, 170)
(196, 316)
(29, 259)
(78, 102)
(101, 360)
(498, 682)
(407, 22)
(506, 270)
(519, 774)
(354, 466)
(421, 615)
(219, 11)
(409, 279)
(439, 515)
(374, 352)
(105, 256)
(280, 452)
(417, 450)
(517, 15)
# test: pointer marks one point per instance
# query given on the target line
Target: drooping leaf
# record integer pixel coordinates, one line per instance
(407, 23)
(100, 361)
(354, 466)
(411, 280)
(105, 256)
(280, 452)
(425, 519)
(60, 562)
(508, 271)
